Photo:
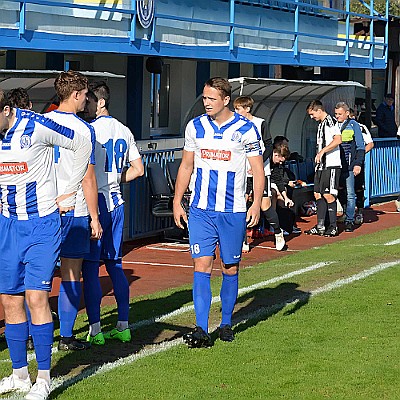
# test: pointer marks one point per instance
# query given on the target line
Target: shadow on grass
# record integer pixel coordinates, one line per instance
(261, 304)
(76, 366)
(252, 308)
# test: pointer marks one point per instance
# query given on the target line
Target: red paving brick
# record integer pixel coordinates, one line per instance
(151, 266)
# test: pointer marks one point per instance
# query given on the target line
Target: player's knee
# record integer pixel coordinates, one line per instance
(231, 269)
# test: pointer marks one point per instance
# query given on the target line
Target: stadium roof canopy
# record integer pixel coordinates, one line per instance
(282, 103)
(40, 83)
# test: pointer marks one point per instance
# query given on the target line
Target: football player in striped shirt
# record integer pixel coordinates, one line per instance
(30, 234)
(327, 170)
(217, 145)
(82, 223)
(115, 148)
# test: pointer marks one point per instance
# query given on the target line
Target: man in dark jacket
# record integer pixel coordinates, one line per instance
(385, 118)
(352, 151)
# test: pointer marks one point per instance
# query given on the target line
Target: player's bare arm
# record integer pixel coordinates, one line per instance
(89, 186)
(181, 185)
(337, 140)
(60, 199)
(135, 170)
(253, 214)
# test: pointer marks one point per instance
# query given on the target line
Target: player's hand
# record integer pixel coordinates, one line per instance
(318, 157)
(356, 170)
(289, 202)
(179, 215)
(64, 209)
(253, 216)
(96, 229)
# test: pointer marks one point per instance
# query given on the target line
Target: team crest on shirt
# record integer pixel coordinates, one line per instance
(236, 137)
(25, 141)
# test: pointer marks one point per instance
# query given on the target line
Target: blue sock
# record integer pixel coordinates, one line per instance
(68, 306)
(42, 336)
(16, 336)
(202, 298)
(92, 290)
(120, 286)
(228, 294)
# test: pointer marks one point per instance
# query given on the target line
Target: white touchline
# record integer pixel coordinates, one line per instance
(157, 348)
(392, 243)
(159, 264)
(215, 299)
(323, 289)
(272, 248)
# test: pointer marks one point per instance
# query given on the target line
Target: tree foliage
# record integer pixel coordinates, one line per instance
(379, 6)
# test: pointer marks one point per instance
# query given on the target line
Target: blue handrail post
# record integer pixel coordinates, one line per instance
(371, 33)
(367, 174)
(232, 23)
(347, 48)
(153, 32)
(22, 9)
(132, 33)
(386, 31)
(296, 30)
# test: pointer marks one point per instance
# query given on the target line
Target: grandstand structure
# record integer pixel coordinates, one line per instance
(187, 41)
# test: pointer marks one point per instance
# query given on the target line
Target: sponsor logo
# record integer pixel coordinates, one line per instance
(236, 257)
(221, 155)
(13, 168)
(25, 141)
(46, 282)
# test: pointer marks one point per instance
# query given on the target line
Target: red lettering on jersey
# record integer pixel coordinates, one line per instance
(221, 155)
(13, 168)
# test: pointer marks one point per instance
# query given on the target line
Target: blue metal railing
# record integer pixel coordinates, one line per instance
(382, 170)
(142, 223)
(232, 26)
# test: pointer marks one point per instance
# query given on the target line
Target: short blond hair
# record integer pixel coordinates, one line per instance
(68, 82)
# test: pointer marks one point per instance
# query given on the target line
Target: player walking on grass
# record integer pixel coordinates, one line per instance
(77, 228)
(115, 147)
(216, 147)
(30, 234)
(327, 170)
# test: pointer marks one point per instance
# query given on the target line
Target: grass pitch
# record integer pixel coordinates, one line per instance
(305, 327)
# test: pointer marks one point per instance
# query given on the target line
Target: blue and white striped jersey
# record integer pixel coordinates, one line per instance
(63, 158)
(220, 161)
(27, 176)
(115, 147)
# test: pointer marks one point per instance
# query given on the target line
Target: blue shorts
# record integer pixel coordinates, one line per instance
(109, 247)
(28, 253)
(207, 228)
(75, 236)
